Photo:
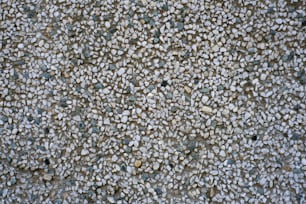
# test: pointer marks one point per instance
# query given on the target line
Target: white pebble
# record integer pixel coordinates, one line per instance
(107, 24)
(304, 162)
(263, 77)
(222, 153)
(155, 165)
(279, 21)
(84, 152)
(205, 99)
(20, 46)
(121, 71)
(124, 119)
(214, 172)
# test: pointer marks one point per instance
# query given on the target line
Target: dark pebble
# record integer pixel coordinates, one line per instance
(173, 109)
(289, 57)
(134, 81)
(158, 191)
(300, 73)
(191, 145)
(9, 159)
(37, 121)
(146, 18)
(44, 68)
(270, 10)
(30, 118)
(304, 23)
(303, 80)
(16, 75)
(145, 176)
(187, 55)
(95, 17)
(180, 26)
(4, 119)
(220, 88)
(20, 62)
(86, 53)
(31, 13)
(272, 32)
(108, 36)
(113, 31)
(98, 33)
(34, 197)
(169, 96)
(112, 67)
(42, 148)
(123, 167)
(99, 86)
(296, 136)
(185, 41)
(108, 109)
(260, 190)
(95, 130)
(128, 90)
(297, 171)
(254, 137)
(195, 156)
(132, 98)
(128, 150)
(10, 127)
(119, 110)
(63, 103)
(47, 161)
(164, 83)
(151, 87)
(39, 110)
(297, 107)
(13, 181)
(126, 141)
(26, 75)
(157, 34)
(46, 75)
(196, 80)
(299, 197)
(162, 63)
(107, 17)
(165, 7)
(58, 201)
(252, 171)
(230, 161)
(46, 130)
(81, 125)
(205, 90)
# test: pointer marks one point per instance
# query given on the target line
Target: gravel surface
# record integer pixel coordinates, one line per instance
(137, 101)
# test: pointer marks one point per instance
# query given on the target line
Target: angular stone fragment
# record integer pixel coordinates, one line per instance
(207, 109)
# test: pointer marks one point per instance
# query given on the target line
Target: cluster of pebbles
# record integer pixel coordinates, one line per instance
(138, 101)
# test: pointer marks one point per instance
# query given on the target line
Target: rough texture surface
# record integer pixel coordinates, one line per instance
(152, 101)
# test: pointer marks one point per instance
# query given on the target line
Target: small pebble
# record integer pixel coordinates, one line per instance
(137, 163)
(207, 109)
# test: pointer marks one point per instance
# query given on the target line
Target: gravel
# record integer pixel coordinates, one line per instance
(152, 101)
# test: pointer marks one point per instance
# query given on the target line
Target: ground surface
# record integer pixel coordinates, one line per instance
(152, 101)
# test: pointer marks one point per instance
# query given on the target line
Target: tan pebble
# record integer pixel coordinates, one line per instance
(47, 177)
(212, 192)
(287, 168)
(207, 109)
(187, 89)
(137, 163)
